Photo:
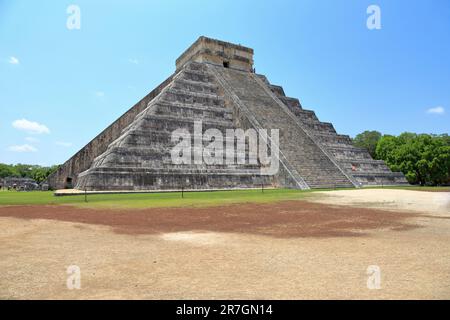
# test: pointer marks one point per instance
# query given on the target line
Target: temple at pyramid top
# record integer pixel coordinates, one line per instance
(221, 53)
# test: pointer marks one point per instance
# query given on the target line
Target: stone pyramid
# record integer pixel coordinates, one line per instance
(215, 82)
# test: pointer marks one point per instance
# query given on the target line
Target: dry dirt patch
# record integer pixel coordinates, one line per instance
(281, 220)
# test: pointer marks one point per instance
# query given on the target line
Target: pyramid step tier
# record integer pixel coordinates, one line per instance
(163, 179)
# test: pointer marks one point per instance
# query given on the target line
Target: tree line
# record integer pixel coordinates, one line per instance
(35, 172)
(423, 158)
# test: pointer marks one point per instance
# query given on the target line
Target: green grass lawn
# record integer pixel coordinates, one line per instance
(173, 199)
(148, 200)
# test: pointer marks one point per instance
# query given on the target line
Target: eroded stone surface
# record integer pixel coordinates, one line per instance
(214, 82)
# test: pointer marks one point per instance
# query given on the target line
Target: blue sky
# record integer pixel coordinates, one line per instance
(59, 88)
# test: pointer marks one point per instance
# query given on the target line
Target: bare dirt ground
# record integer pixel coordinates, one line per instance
(286, 250)
(437, 203)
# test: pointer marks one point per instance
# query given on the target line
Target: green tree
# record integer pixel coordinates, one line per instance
(23, 170)
(368, 140)
(35, 172)
(423, 158)
(7, 171)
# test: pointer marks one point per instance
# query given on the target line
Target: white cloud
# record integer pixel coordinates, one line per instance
(436, 110)
(100, 94)
(13, 60)
(63, 144)
(32, 139)
(30, 126)
(22, 148)
(133, 61)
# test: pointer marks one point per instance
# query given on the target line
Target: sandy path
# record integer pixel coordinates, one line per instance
(437, 203)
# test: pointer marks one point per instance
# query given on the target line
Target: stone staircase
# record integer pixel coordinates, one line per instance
(303, 156)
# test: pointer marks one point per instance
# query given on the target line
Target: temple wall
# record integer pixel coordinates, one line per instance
(83, 159)
(217, 52)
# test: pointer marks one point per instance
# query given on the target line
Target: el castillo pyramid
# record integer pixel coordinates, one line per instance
(215, 82)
